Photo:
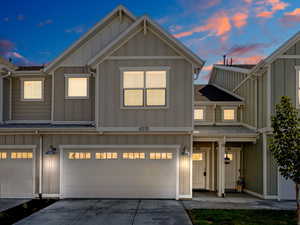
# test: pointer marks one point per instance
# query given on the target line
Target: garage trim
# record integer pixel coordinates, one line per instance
(66, 147)
(21, 147)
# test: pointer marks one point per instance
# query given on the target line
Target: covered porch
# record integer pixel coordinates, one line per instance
(219, 161)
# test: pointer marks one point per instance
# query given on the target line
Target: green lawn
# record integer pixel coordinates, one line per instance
(242, 217)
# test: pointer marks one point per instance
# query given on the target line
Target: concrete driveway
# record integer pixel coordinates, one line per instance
(111, 212)
(7, 203)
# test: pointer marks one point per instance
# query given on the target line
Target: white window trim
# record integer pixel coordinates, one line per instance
(77, 75)
(146, 68)
(204, 113)
(297, 86)
(235, 114)
(22, 80)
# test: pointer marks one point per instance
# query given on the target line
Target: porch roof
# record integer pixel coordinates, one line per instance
(230, 133)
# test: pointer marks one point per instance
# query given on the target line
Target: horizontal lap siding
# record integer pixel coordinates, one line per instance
(72, 109)
(31, 110)
(51, 162)
(178, 113)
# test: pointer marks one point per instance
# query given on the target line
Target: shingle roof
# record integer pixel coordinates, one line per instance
(224, 131)
(29, 68)
(45, 125)
(211, 93)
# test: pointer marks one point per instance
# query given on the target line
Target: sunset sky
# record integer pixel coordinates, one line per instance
(35, 32)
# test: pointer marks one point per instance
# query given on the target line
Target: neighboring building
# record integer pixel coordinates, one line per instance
(118, 115)
(261, 86)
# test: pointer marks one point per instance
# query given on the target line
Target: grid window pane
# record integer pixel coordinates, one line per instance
(161, 155)
(3, 155)
(197, 156)
(79, 155)
(199, 114)
(21, 155)
(32, 89)
(229, 114)
(156, 97)
(299, 95)
(156, 79)
(133, 97)
(77, 87)
(133, 79)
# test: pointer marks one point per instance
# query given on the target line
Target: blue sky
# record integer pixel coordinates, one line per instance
(35, 32)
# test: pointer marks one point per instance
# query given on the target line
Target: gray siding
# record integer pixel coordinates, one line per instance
(6, 96)
(247, 91)
(145, 45)
(262, 101)
(72, 109)
(99, 39)
(272, 172)
(178, 113)
(252, 156)
(283, 77)
(31, 110)
(227, 79)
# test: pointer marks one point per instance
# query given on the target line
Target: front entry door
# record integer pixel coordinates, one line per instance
(199, 170)
(231, 169)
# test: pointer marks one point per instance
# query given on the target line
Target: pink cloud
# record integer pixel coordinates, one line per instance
(290, 18)
(248, 60)
(207, 68)
(276, 5)
(217, 25)
(240, 19)
(239, 50)
(8, 50)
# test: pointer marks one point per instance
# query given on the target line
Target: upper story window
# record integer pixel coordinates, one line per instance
(77, 86)
(32, 89)
(199, 114)
(229, 114)
(144, 88)
(298, 86)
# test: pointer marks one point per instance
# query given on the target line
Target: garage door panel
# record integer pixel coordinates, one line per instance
(119, 178)
(16, 176)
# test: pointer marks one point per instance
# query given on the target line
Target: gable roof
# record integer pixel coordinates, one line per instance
(211, 93)
(146, 23)
(7, 63)
(85, 37)
(278, 52)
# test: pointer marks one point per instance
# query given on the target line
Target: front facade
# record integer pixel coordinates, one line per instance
(110, 117)
(117, 115)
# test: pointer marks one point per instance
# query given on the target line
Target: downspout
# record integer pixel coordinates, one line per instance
(41, 168)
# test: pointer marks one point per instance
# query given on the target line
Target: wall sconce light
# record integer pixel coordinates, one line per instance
(185, 151)
(227, 159)
(51, 150)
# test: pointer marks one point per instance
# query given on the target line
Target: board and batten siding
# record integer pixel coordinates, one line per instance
(262, 100)
(6, 99)
(30, 110)
(179, 110)
(227, 79)
(283, 77)
(253, 166)
(97, 40)
(247, 91)
(72, 109)
(51, 171)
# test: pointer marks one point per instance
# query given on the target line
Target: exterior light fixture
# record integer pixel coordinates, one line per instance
(185, 151)
(51, 150)
(227, 159)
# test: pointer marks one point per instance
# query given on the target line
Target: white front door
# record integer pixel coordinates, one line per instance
(231, 169)
(199, 170)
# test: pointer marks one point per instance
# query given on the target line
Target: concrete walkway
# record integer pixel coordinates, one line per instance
(208, 200)
(110, 212)
(7, 203)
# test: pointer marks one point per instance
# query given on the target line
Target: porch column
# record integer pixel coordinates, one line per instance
(221, 168)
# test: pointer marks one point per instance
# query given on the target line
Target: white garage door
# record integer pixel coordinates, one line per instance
(115, 173)
(16, 173)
